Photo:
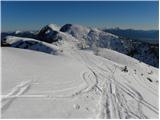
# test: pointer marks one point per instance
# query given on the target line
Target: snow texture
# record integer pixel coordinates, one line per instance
(78, 83)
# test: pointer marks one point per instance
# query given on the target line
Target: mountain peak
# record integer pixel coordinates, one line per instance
(53, 27)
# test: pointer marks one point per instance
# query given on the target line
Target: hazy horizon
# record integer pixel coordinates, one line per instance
(82, 25)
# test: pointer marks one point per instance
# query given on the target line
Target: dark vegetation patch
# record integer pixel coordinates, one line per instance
(149, 79)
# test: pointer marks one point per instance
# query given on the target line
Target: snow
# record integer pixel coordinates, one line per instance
(77, 31)
(49, 78)
(54, 27)
(91, 37)
(32, 44)
(76, 83)
(17, 32)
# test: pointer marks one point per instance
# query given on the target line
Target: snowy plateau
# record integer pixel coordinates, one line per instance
(77, 72)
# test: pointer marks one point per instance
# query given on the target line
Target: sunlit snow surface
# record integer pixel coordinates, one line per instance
(76, 84)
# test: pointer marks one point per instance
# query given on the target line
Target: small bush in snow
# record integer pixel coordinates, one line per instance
(125, 69)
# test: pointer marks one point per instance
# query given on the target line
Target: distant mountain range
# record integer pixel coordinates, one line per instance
(150, 36)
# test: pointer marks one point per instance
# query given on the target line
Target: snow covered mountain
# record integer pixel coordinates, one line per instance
(49, 33)
(84, 79)
(92, 37)
(143, 51)
(150, 36)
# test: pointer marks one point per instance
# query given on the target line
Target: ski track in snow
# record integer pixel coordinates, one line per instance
(112, 102)
(15, 92)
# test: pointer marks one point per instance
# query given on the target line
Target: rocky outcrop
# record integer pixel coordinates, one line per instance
(49, 34)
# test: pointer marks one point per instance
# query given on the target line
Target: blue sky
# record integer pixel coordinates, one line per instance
(33, 15)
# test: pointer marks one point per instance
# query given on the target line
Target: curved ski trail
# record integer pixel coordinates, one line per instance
(113, 102)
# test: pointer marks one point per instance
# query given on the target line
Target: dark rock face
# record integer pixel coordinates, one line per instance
(26, 34)
(65, 28)
(4, 44)
(48, 35)
(146, 52)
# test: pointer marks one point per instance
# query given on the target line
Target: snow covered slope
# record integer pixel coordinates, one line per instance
(77, 84)
(32, 44)
(90, 37)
